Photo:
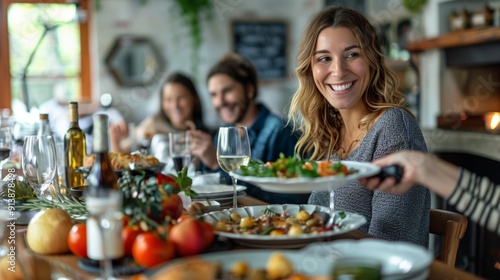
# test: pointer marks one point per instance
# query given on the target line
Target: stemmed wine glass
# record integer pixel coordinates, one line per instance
(233, 150)
(104, 228)
(180, 149)
(331, 219)
(5, 147)
(39, 162)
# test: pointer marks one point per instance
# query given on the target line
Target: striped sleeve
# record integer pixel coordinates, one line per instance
(478, 198)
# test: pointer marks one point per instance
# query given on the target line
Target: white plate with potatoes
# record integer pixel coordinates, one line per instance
(241, 264)
(349, 222)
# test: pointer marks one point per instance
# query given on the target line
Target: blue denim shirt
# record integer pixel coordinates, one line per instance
(269, 136)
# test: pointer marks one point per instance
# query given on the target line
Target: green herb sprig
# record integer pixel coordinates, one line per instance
(75, 207)
(143, 194)
(23, 191)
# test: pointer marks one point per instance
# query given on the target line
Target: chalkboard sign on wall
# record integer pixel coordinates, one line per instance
(264, 43)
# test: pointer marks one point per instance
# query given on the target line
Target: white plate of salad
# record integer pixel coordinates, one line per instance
(293, 175)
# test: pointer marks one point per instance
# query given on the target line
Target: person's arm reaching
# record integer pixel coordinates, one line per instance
(473, 195)
(418, 168)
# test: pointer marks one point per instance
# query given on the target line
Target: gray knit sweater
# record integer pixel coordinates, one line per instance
(390, 216)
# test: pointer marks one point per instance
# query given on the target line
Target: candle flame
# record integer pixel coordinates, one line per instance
(495, 120)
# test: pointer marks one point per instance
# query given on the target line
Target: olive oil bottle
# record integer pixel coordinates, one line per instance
(74, 148)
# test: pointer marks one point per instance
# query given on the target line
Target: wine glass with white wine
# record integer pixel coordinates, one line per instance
(233, 151)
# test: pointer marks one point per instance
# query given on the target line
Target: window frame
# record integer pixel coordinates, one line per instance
(85, 62)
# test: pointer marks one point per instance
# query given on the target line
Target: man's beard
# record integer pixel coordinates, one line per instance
(244, 106)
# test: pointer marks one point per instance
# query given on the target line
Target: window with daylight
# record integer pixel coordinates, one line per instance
(44, 51)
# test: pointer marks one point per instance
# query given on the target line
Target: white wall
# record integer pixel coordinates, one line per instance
(156, 19)
(430, 68)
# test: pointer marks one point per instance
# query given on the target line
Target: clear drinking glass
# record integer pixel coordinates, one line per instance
(5, 147)
(233, 150)
(104, 220)
(39, 162)
(61, 176)
(180, 149)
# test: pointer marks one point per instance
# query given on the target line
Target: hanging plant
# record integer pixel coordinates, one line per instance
(192, 12)
(414, 6)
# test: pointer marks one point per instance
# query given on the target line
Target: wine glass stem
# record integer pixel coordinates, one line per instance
(106, 265)
(332, 201)
(108, 268)
(235, 195)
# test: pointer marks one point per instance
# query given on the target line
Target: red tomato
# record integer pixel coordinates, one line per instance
(129, 234)
(171, 205)
(184, 217)
(208, 233)
(165, 179)
(150, 250)
(77, 240)
(125, 219)
(188, 237)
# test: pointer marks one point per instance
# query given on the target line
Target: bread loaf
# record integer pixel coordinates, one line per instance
(122, 161)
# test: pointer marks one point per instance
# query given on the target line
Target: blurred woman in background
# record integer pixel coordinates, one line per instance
(180, 109)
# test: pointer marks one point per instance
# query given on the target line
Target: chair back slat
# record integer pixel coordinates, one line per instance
(452, 227)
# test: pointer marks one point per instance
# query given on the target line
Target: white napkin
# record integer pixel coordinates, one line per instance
(206, 179)
(186, 200)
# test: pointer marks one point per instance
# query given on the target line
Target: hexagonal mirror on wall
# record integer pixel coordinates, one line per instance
(134, 61)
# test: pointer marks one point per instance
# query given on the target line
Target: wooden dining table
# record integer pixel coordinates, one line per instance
(67, 264)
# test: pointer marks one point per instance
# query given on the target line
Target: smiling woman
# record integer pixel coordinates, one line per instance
(349, 108)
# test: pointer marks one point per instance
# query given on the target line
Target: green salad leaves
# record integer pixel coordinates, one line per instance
(284, 167)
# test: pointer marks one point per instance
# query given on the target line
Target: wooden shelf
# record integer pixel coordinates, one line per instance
(456, 39)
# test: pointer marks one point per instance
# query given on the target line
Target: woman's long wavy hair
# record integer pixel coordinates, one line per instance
(310, 113)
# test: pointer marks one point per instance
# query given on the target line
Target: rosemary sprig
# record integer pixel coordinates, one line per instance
(73, 206)
(142, 198)
(23, 191)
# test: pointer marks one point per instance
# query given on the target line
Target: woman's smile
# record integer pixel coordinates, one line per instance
(341, 87)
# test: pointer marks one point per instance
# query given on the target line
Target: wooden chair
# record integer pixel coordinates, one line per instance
(451, 226)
